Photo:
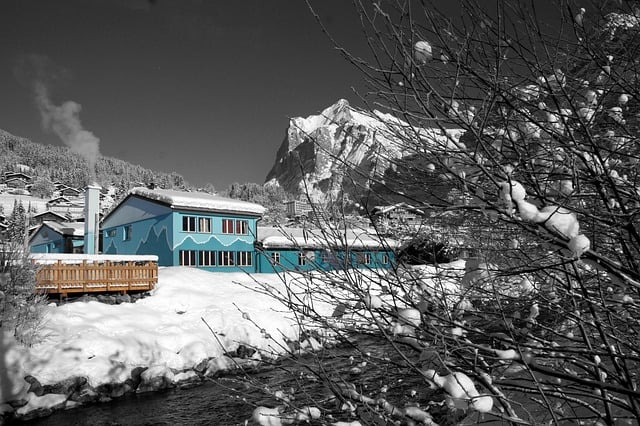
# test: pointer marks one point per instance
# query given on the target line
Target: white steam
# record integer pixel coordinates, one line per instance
(64, 121)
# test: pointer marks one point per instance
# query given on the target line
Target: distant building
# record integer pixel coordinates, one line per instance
(16, 175)
(298, 208)
(47, 216)
(71, 209)
(388, 219)
(16, 182)
(68, 191)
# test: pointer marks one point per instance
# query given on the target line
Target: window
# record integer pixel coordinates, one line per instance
(363, 258)
(305, 256)
(188, 258)
(227, 226)
(242, 227)
(225, 258)
(275, 258)
(385, 259)
(207, 258)
(204, 225)
(127, 231)
(110, 233)
(245, 258)
(188, 224)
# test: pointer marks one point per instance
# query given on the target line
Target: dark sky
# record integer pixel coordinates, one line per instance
(201, 87)
(204, 88)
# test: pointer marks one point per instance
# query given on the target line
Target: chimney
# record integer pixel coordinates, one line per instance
(91, 218)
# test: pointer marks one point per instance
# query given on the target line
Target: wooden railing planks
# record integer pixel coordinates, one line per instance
(92, 277)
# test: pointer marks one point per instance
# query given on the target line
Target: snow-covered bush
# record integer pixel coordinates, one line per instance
(543, 183)
(427, 249)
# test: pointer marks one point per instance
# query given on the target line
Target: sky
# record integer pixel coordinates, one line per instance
(202, 88)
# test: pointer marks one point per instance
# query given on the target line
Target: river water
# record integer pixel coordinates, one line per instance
(230, 400)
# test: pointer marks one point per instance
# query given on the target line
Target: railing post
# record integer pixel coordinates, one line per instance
(84, 275)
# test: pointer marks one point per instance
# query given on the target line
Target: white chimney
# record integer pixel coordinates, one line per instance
(91, 218)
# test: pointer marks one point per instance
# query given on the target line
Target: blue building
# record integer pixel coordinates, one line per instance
(184, 228)
(213, 233)
(297, 249)
(58, 237)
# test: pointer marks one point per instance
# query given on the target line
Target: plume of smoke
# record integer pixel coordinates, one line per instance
(38, 73)
(64, 121)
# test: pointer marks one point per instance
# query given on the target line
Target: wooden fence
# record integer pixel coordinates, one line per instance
(92, 277)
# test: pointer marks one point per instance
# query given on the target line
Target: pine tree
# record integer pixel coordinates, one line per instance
(17, 223)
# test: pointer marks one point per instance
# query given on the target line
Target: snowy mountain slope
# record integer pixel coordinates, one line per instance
(343, 150)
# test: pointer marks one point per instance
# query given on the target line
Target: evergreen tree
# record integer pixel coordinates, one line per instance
(17, 223)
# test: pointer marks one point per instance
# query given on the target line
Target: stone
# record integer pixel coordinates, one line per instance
(245, 352)
(34, 385)
(135, 376)
(67, 386)
(85, 395)
(123, 298)
(201, 367)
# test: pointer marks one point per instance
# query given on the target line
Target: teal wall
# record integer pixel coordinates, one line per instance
(215, 240)
(157, 229)
(46, 240)
(321, 260)
(148, 236)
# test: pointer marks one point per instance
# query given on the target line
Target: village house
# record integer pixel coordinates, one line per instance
(68, 191)
(48, 215)
(71, 209)
(16, 175)
(16, 183)
(184, 228)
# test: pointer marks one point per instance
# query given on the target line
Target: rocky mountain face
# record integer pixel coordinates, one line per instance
(344, 151)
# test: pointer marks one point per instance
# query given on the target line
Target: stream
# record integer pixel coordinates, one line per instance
(231, 399)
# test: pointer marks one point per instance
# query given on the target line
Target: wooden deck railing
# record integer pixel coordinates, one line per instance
(91, 277)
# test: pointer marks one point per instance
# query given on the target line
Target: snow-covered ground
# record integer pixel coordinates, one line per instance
(164, 332)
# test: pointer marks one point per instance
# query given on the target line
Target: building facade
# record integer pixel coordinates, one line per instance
(184, 229)
(216, 234)
(296, 249)
(57, 237)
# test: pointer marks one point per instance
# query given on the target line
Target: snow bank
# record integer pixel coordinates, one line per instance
(105, 343)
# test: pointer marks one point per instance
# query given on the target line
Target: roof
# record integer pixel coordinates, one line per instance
(287, 238)
(387, 209)
(197, 201)
(71, 229)
(12, 178)
(14, 175)
(49, 212)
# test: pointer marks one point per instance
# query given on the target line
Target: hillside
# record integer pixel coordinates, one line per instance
(57, 163)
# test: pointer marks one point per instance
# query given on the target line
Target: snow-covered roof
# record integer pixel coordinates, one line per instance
(49, 212)
(198, 201)
(389, 208)
(75, 229)
(292, 238)
(68, 258)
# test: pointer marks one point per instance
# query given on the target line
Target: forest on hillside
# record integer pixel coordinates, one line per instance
(57, 163)
(49, 163)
